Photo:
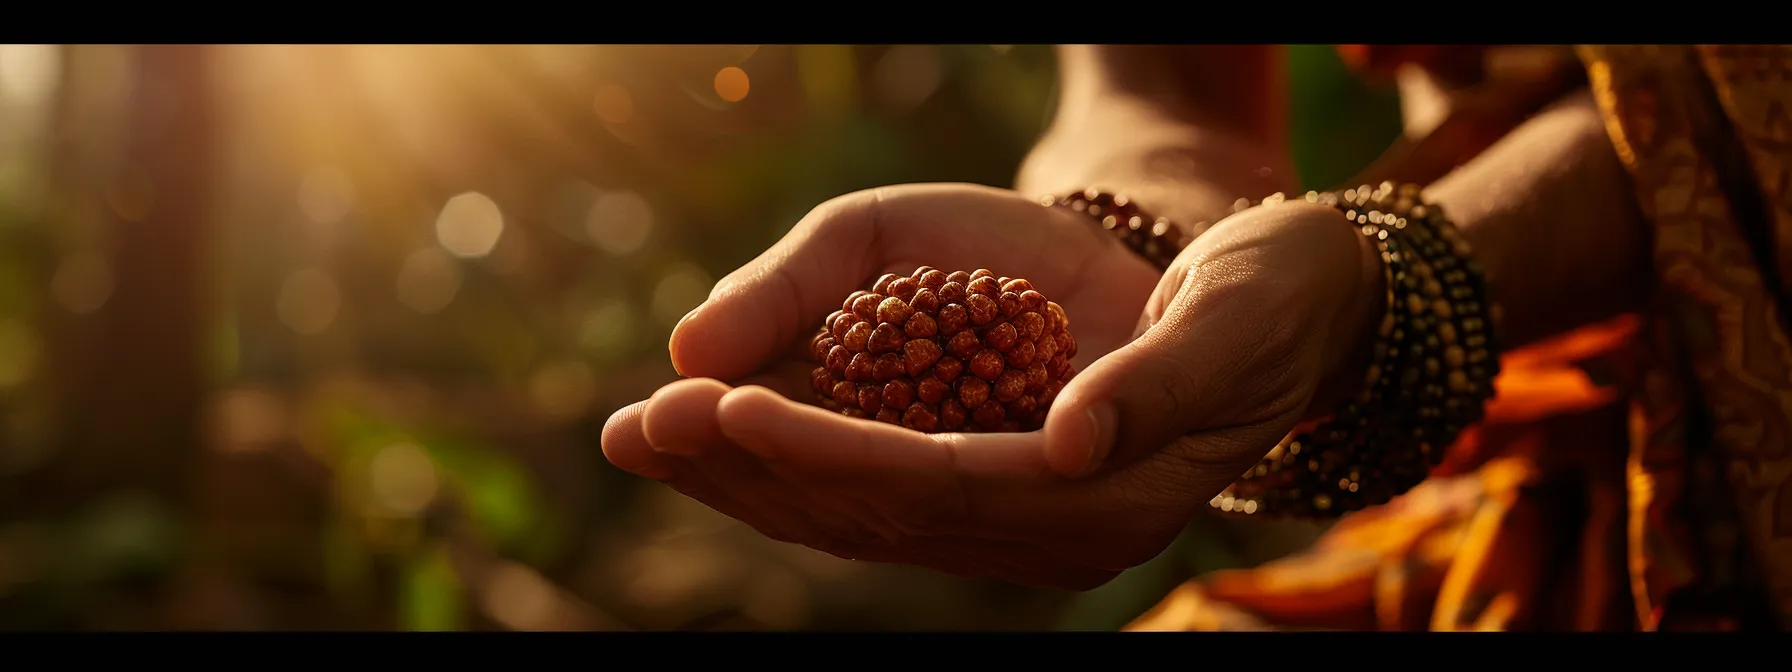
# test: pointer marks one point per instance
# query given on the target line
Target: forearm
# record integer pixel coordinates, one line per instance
(1551, 218)
(1185, 130)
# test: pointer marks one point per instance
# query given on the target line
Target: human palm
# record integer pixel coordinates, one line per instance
(757, 321)
(753, 333)
(1131, 448)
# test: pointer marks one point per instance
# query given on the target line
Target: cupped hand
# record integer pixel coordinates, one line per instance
(766, 311)
(1236, 351)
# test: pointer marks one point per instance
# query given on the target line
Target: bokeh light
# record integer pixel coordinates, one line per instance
(519, 597)
(907, 75)
(309, 300)
(427, 274)
(620, 222)
(563, 390)
(609, 329)
(428, 281)
(732, 84)
(682, 288)
(83, 282)
(469, 225)
(402, 479)
(669, 575)
(247, 420)
(325, 195)
(131, 193)
(29, 73)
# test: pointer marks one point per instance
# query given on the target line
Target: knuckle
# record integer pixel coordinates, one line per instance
(1194, 458)
(859, 209)
(1177, 388)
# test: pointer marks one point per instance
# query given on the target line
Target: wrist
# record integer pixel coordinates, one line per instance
(1172, 169)
(1355, 325)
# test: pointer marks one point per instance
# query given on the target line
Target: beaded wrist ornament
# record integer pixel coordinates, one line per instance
(1430, 376)
(1155, 238)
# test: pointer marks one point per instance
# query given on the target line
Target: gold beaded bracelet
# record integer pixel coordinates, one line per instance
(1431, 372)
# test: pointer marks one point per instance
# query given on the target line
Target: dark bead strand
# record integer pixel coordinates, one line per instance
(1430, 376)
(1156, 239)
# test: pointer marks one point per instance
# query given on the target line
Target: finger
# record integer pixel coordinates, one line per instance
(1220, 355)
(814, 439)
(871, 477)
(762, 308)
(780, 297)
(679, 425)
(854, 502)
(790, 379)
(680, 418)
(799, 518)
(626, 447)
(689, 480)
(993, 486)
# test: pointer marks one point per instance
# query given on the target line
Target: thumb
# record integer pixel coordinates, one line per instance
(1219, 358)
(761, 310)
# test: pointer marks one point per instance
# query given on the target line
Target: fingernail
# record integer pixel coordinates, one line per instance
(1101, 434)
(680, 450)
(686, 318)
(672, 340)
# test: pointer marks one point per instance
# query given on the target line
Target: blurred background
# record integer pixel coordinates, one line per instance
(323, 337)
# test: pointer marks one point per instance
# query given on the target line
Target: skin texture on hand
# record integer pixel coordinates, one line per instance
(1240, 346)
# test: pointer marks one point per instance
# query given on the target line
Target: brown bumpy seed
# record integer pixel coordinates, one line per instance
(938, 351)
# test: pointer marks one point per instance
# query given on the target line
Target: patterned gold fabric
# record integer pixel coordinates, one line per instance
(1631, 475)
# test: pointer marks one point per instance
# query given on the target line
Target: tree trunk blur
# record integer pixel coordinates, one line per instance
(129, 376)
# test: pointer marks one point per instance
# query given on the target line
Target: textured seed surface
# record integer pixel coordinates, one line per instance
(944, 351)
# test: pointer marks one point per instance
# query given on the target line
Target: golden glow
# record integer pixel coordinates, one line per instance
(83, 283)
(907, 75)
(18, 352)
(132, 194)
(309, 300)
(469, 225)
(613, 104)
(830, 76)
(680, 290)
(519, 597)
(564, 390)
(325, 195)
(670, 575)
(732, 84)
(780, 600)
(428, 281)
(29, 73)
(247, 421)
(402, 479)
(608, 329)
(619, 222)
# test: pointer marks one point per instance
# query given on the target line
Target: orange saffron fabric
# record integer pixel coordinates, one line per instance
(1633, 475)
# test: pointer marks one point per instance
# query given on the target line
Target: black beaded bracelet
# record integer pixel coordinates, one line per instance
(1156, 239)
(1430, 375)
